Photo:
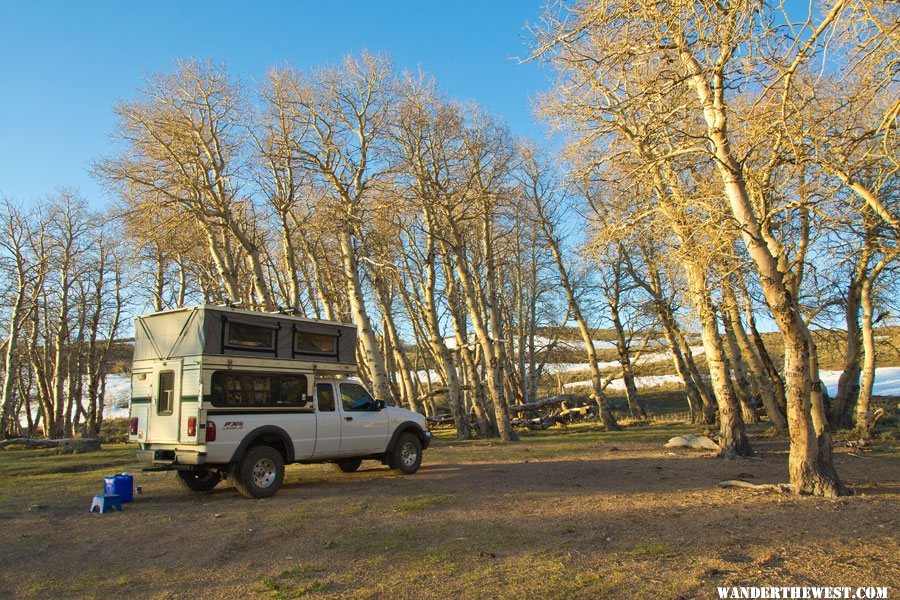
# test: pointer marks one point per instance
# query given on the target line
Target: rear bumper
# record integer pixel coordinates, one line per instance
(170, 456)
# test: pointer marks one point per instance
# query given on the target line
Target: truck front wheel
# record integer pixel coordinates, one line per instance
(198, 481)
(260, 472)
(407, 454)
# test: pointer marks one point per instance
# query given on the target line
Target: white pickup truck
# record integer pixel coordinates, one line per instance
(220, 393)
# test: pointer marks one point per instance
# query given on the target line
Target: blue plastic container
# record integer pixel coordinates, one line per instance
(121, 484)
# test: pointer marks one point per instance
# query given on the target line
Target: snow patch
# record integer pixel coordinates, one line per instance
(116, 400)
(559, 368)
(118, 397)
(887, 381)
(542, 342)
(647, 381)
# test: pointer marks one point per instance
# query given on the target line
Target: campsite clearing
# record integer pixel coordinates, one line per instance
(574, 512)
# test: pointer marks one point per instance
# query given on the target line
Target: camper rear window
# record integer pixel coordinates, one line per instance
(249, 337)
(314, 343)
(260, 389)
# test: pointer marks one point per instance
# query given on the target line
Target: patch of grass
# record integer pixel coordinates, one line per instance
(295, 582)
(422, 502)
(83, 585)
(351, 507)
(377, 540)
(475, 522)
(15, 462)
(29, 477)
(651, 549)
(578, 439)
(533, 575)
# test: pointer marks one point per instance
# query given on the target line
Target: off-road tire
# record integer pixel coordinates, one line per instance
(197, 481)
(260, 472)
(407, 453)
(348, 465)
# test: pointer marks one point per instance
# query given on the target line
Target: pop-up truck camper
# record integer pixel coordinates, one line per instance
(219, 392)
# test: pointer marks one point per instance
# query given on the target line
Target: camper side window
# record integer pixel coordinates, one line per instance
(242, 336)
(292, 391)
(314, 343)
(259, 389)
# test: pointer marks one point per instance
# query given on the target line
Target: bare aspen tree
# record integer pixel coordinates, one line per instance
(744, 387)
(18, 266)
(340, 115)
(424, 142)
(615, 288)
(678, 201)
(734, 439)
(707, 49)
(183, 145)
(474, 388)
(439, 345)
(529, 298)
(70, 320)
(108, 297)
(701, 404)
(867, 300)
(465, 213)
(164, 246)
(848, 383)
(756, 369)
(485, 147)
(543, 191)
(67, 227)
(846, 120)
(383, 254)
(282, 177)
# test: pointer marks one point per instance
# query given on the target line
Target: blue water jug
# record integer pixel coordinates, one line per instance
(121, 484)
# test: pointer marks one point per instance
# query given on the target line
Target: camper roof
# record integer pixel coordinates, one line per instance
(225, 308)
(223, 330)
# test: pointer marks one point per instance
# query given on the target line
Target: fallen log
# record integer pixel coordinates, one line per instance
(440, 420)
(551, 401)
(767, 487)
(66, 445)
(580, 411)
(443, 390)
(538, 423)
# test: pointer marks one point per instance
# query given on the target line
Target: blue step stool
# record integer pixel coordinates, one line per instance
(107, 502)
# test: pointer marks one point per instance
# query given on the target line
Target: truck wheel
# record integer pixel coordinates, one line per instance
(198, 481)
(260, 472)
(349, 465)
(407, 454)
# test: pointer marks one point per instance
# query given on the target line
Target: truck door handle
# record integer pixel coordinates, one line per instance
(348, 418)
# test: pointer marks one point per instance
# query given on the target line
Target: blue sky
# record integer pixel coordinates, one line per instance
(63, 65)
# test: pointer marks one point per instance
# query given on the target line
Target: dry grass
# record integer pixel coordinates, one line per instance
(576, 512)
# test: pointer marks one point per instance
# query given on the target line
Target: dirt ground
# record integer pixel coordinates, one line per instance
(572, 513)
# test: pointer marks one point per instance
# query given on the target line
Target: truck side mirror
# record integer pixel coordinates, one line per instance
(379, 405)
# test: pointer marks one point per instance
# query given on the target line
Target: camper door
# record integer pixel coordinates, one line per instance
(166, 402)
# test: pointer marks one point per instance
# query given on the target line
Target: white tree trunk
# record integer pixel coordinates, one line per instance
(369, 343)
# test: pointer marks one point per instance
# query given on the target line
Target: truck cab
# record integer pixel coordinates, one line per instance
(220, 393)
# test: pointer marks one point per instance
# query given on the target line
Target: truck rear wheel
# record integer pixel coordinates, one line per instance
(198, 481)
(407, 454)
(260, 472)
(349, 465)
